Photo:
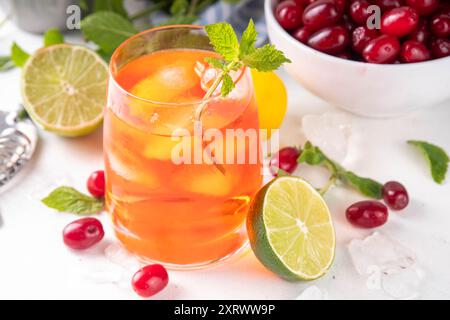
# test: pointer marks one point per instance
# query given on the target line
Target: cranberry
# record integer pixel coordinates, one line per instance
(361, 37)
(289, 15)
(302, 3)
(367, 214)
(348, 23)
(285, 159)
(330, 40)
(399, 21)
(321, 14)
(440, 25)
(345, 55)
(414, 51)
(421, 33)
(83, 233)
(386, 5)
(96, 184)
(395, 195)
(440, 47)
(383, 49)
(302, 34)
(341, 5)
(150, 280)
(423, 7)
(359, 12)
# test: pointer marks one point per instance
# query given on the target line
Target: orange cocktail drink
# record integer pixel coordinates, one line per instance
(176, 196)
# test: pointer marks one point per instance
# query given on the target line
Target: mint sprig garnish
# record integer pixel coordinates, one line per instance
(235, 54)
(18, 55)
(52, 37)
(313, 156)
(437, 159)
(67, 199)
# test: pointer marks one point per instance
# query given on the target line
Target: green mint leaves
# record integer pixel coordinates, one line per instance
(6, 63)
(437, 159)
(314, 156)
(18, 55)
(67, 199)
(107, 29)
(234, 53)
(53, 37)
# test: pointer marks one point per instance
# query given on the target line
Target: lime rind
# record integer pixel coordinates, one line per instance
(277, 239)
(64, 89)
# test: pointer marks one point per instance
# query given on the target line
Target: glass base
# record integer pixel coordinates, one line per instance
(197, 266)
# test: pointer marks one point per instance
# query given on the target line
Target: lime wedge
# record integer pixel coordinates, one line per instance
(290, 229)
(64, 89)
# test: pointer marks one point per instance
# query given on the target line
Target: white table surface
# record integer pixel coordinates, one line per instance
(34, 263)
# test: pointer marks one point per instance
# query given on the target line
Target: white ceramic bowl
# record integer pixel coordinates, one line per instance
(362, 88)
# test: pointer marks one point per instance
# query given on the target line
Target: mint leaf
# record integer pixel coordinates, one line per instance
(107, 29)
(224, 40)
(18, 55)
(179, 7)
(67, 199)
(437, 159)
(6, 63)
(216, 63)
(266, 58)
(248, 40)
(227, 85)
(115, 6)
(311, 155)
(52, 37)
(367, 187)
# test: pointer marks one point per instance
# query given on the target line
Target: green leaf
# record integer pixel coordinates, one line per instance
(115, 6)
(227, 85)
(18, 55)
(179, 7)
(311, 155)
(248, 40)
(216, 63)
(224, 40)
(437, 159)
(107, 29)
(6, 63)
(367, 187)
(266, 58)
(67, 199)
(52, 37)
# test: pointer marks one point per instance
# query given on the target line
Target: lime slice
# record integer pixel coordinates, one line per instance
(290, 229)
(64, 89)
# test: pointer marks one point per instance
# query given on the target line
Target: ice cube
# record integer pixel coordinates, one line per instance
(381, 251)
(403, 284)
(330, 131)
(117, 254)
(313, 293)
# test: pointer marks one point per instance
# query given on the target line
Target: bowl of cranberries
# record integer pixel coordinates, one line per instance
(377, 58)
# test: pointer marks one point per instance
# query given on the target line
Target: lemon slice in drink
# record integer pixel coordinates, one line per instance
(290, 229)
(64, 89)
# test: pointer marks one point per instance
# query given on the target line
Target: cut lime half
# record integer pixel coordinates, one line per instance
(64, 89)
(290, 229)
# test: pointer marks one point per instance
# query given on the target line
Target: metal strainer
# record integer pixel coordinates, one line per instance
(18, 139)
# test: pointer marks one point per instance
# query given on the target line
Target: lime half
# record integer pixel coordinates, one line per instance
(64, 89)
(290, 229)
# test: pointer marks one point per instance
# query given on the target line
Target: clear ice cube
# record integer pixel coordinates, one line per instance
(330, 131)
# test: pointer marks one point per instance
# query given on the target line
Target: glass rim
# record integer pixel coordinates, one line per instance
(112, 75)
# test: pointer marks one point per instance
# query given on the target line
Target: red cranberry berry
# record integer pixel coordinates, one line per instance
(423, 7)
(395, 195)
(83, 233)
(150, 280)
(359, 12)
(289, 15)
(96, 184)
(414, 51)
(421, 33)
(321, 14)
(399, 22)
(331, 40)
(440, 25)
(285, 159)
(440, 47)
(302, 3)
(302, 34)
(367, 214)
(383, 49)
(386, 5)
(361, 37)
